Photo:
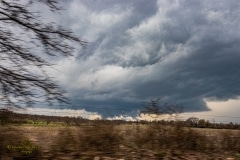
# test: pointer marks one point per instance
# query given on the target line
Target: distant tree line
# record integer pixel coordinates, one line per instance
(7, 116)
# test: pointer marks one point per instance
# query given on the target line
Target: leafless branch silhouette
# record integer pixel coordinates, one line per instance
(25, 42)
(155, 108)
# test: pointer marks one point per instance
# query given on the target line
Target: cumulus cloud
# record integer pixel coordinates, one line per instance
(184, 51)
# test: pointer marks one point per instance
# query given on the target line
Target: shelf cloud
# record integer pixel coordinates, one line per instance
(183, 51)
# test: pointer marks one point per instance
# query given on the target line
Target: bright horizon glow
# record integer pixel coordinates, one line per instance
(221, 112)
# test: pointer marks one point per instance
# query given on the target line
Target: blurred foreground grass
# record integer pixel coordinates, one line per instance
(117, 141)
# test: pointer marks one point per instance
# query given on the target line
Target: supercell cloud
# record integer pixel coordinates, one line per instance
(184, 51)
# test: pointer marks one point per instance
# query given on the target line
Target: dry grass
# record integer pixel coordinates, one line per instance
(125, 141)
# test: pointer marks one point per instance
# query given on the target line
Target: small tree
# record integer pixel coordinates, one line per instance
(202, 123)
(5, 116)
(24, 39)
(154, 107)
(192, 121)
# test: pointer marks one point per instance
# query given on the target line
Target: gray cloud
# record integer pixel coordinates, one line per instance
(185, 51)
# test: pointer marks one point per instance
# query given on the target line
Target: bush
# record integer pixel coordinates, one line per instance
(100, 138)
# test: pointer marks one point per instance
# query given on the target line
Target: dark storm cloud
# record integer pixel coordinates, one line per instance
(184, 51)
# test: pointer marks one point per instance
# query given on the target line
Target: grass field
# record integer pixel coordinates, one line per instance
(118, 141)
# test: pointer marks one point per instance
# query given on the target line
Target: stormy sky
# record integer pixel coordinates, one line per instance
(186, 52)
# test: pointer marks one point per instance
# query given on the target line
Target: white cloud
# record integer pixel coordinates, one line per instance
(154, 117)
(94, 23)
(121, 117)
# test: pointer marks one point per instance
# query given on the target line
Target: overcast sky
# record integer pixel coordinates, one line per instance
(185, 51)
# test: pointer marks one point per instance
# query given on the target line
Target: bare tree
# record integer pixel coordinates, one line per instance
(26, 42)
(156, 108)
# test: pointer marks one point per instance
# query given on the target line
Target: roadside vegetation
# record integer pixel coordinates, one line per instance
(77, 138)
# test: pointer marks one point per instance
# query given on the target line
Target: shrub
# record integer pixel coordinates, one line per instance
(100, 138)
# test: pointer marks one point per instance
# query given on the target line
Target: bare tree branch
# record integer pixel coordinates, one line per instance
(154, 107)
(22, 77)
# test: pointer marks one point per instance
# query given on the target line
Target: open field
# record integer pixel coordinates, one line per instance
(118, 141)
